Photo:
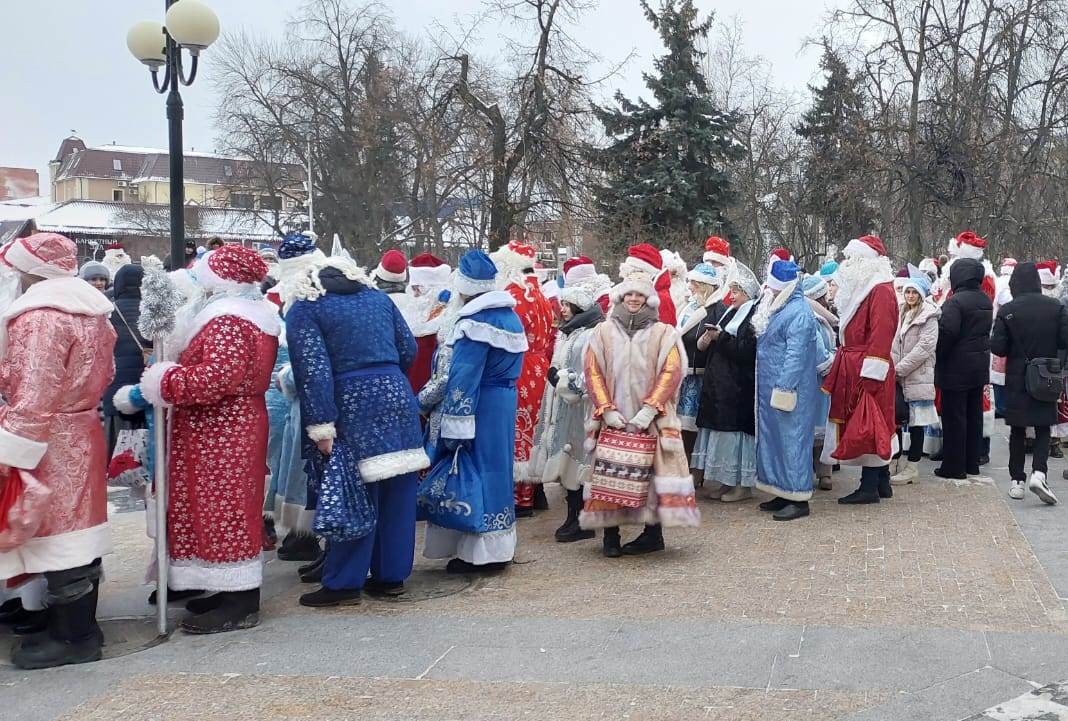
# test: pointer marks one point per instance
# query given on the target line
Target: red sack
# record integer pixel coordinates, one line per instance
(866, 433)
(23, 503)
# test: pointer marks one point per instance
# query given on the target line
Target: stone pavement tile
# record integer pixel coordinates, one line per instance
(895, 659)
(1036, 657)
(234, 697)
(937, 556)
(956, 698)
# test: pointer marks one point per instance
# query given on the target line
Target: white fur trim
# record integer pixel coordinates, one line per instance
(460, 428)
(20, 452)
(469, 286)
(579, 273)
(121, 401)
(152, 380)
(857, 248)
(321, 432)
(70, 295)
(383, 274)
(871, 272)
(18, 256)
(673, 485)
(436, 277)
(969, 251)
(578, 296)
(57, 553)
(636, 286)
(293, 516)
(261, 313)
(476, 548)
(489, 334)
(188, 574)
(874, 368)
(632, 264)
(492, 299)
(785, 401)
(388, 465)
(797, 496)
(711, 257)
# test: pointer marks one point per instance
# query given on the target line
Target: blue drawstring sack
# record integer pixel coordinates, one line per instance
(451, 496)
(343, 510)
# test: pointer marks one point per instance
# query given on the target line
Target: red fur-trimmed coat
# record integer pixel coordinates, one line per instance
(537, 317)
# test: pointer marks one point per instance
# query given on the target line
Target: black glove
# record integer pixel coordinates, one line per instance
(553, 375)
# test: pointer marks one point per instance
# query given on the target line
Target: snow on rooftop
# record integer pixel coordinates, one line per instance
(101, 218)
(133, 149)
(25, 208)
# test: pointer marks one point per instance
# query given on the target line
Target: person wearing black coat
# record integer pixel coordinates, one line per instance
(1030, 326)
(129, 358)
(726, 445)
(962, 368)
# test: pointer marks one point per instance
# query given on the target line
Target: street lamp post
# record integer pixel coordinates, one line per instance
(193, 26)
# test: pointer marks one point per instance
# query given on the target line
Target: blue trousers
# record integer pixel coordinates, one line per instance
(387, 552)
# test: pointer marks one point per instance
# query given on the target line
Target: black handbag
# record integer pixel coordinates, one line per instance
(901, 406)
(1044, 379)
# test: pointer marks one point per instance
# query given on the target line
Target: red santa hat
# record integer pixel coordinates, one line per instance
(514, 257)
(1008, 265)
(231, 267)
(428, 270)
(868, 246)
(45, 255)
(717, 250)
(393, 268)
(578, 269)
(1047, 272)
(645, 258)
(967, 245)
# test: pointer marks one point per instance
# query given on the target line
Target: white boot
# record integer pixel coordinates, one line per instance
(909, 473)
(1037, 485)
(1016, 490)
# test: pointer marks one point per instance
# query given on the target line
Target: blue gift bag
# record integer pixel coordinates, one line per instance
(343, 511)
(451, 495)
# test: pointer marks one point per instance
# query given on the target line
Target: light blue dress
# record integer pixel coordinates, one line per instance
(786, 362)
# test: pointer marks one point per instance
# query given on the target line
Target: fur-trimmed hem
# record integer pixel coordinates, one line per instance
(186, 574)
(490, 335)
(673, 485)
(19, 451)
(58, 552)
(396, 463)
(798, 496)
(674, 517)
(591, 520)
(152, 382)
(293, 516)
(321, 431)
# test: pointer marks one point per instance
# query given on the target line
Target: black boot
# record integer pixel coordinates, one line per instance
(236, 610)
(309, 567)
(611, 548)
(299, 547)
(331, 598)
(10, 611)
(198, 606)
(1055, 448)
(72, 637)
(176, 596)
(30, 622)
(774, 505)
(571, 530)
(541, 503)
(270, 534)
(792, 511)
(868, 491)
(460, 566)
(650, 540)
(885, 489)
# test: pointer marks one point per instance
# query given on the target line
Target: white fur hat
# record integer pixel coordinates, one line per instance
(636, 281)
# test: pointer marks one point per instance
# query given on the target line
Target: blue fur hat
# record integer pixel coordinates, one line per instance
(294, 245)
(476, 274)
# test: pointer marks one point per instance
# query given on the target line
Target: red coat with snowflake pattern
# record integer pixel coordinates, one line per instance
(537, 316)
(218, 455)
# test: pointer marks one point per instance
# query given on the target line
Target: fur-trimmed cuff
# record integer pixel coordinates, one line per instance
(20, 452)
(874, 368)
(388, 465)
(128, 400)
(784, 401)
(152, 382)
(459, 428)
(321, 432)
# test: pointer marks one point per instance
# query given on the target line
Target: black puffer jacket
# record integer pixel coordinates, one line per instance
(698, 358)
(1031, 326)
(962, 360)
(129, 362)
(728, 391)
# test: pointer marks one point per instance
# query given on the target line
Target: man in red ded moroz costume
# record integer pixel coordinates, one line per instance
(861, 429)
(515, 274)
(227, 347)
(428, 276)
(647, 259)
(580, 272)
(55, 361)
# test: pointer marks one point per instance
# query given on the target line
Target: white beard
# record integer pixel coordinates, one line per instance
(855, 279)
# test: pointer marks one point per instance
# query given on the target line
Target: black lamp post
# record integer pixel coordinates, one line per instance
(193, 26)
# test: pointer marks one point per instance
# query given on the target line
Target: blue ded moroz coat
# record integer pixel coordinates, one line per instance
(479, 409)
(788, 397)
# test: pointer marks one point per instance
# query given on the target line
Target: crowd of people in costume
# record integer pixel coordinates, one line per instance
(337, 408)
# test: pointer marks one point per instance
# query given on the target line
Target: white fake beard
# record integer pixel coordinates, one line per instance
(853, 275)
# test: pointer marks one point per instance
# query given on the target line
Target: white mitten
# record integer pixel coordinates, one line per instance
(614, 419)
(643, 418)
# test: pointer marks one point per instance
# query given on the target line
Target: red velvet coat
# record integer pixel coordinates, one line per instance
(537, 317)
(863, 364)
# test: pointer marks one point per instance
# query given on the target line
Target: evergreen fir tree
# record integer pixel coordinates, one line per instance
(837, 133)
(666, 163)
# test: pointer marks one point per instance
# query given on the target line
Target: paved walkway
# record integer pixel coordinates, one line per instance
(945, 601)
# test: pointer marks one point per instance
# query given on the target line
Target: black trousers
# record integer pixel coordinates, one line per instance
(915, 442)
(962, 430)
(1017, 454)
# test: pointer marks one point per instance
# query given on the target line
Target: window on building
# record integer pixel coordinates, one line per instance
(116, 195)
(117, 164)
(270, 202)
(241, 200)
(229, 170)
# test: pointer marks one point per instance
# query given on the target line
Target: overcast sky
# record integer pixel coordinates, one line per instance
(65, 65)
